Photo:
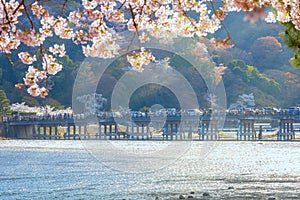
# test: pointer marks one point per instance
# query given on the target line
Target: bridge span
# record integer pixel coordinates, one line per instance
(204, 127)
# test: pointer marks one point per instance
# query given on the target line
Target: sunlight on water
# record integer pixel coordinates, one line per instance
(229, 170)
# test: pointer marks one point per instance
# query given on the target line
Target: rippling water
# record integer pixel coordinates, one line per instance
(75, 170)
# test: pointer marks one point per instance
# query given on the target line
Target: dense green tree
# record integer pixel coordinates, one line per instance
(4, 104)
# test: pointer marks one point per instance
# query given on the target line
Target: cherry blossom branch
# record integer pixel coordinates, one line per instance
(8, 56)
(63, 7)
(133, 20)
(122, 5)
(6, 13)
(28, 17)
(135, 26)
(20, 4)
(229, 38)
(130, 42)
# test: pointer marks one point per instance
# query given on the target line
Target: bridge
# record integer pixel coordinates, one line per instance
(175, 127)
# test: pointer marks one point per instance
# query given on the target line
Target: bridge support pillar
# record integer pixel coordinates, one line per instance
(69, 132)
(246, 130)
(79, 132)
(50, 132)
(56, 131)
(209, 130)
(181, 131)
(86, 134)
(74, 132)
(98, 135)
(105, 131)
(45, 132)
(39, 132)
(190, 133)
(286, 129)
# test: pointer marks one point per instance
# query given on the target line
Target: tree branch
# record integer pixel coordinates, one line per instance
(29, 18)
(6, 13)
(223, 25)
(63, 7)
(20, 4)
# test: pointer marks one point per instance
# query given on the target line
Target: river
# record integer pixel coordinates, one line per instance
(59, 169)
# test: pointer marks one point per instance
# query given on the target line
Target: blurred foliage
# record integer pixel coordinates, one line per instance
(291, 37)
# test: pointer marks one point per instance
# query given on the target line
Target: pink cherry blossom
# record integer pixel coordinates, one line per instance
(26, 58)
(50, 65)
(96, 27)
(58, 49)
(138, 59)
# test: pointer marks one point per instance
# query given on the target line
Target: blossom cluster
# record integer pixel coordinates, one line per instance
(9, 14)
(96, 26)
(32, 78)
(284, 10)
(160, 19)
(138, 59)
(35, 78)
